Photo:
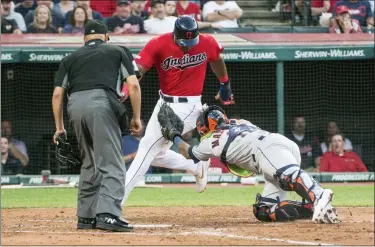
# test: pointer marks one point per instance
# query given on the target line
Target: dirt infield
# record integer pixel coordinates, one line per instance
(186, 226)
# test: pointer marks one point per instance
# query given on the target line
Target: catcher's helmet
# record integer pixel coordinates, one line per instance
(186, 31)
(211, 118)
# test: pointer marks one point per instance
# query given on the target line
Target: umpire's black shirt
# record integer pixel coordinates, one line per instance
(95, 65)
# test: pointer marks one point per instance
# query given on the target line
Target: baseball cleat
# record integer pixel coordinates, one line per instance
(323, 210)
(201, 177)
(112, 223)
(86, 223)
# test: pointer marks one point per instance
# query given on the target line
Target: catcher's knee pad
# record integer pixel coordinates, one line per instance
(293, 178)
(281, 211)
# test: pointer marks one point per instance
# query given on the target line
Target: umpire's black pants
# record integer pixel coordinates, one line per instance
(102, 179)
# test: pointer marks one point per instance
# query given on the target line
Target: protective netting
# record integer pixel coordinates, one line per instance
(342, 91)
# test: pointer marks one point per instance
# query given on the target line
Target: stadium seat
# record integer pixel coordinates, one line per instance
(269, 29)
(310, 29)
(367, 30)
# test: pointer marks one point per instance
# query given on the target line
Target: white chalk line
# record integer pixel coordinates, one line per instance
(250, 223)
(206, 233)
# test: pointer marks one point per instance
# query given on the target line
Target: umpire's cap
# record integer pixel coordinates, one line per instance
(186, 31)
(95, 27)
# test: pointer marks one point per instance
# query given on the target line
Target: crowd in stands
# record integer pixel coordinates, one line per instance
(341, 16)
(158, 16)
(121, 16)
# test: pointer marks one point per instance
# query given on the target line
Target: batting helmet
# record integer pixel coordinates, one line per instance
(210, 119)
(186, 31)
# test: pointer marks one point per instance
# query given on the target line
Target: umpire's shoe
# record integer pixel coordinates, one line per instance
(112, 223)
(86, 223)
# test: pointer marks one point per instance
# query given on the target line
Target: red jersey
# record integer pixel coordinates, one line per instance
(148, 6)
(320, 4)
(105, 7)
(349, 162)
(192, 9)
(180, 74)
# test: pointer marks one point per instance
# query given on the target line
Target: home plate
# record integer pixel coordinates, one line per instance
(153, 226)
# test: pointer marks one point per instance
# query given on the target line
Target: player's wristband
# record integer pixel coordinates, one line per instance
(225, 91)
(177, 140)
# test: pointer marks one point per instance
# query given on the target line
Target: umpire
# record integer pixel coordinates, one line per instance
(91, 76)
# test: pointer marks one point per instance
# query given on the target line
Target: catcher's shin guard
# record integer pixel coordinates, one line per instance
(293, 178)
(281, 211)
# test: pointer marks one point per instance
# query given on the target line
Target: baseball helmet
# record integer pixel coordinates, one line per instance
(186, 31)
(210, 119)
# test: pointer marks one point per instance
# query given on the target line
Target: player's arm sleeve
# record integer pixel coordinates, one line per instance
(61, 79)
(127, 66)
(203, 151)
(146, 57)
(216, 49)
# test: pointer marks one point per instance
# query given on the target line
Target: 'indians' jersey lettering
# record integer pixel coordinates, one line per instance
(181, 73)
(184, 62)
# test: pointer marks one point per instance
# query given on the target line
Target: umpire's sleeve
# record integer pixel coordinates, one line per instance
(61, 79)
(127, 68)
(130, 55)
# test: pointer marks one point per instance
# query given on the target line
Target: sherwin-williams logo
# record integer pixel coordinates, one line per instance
(6, 57)
(329, 53)
(184, 62)
(33, 57)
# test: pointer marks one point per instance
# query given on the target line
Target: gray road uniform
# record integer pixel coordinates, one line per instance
(244, 147)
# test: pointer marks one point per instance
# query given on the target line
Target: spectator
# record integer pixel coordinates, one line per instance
(138, 7)
(42, 21)
(9, 165)
(64, 7)
(130, 144)
(9, 26)
(147, 6)
(58, 20)
(339, 160)
(160, 23)
(344, 23)
(77, 21)
(25, 7)
(307, 142)
(223, 13)
(17, 148)
(315, 9)
(123, 22)
(170, 8)
(185, 7)
(359, 10)
(332, 130)
(91, 14)
(105, 7)
(12, 15)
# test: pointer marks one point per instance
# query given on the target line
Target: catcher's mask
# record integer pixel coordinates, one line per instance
(210, 119)
(64, 153)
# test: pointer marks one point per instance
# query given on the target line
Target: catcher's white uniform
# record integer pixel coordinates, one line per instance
(245, 146)
(255, 150)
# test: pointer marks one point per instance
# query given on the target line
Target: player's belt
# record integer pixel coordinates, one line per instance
(171, 99)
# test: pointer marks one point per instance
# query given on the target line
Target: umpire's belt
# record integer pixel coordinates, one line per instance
(179, 99)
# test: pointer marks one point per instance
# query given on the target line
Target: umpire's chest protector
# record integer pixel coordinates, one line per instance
(120, 111)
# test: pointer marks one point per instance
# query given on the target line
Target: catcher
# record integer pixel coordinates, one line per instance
(246, 149)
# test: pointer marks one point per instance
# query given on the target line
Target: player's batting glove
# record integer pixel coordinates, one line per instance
(225, 93)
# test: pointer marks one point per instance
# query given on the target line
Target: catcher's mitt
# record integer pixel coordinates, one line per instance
(64, 153)
(171, 124)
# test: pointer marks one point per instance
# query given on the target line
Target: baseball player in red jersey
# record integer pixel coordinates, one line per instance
(181, 61)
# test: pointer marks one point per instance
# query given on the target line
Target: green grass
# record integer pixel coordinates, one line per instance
(66, 197)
